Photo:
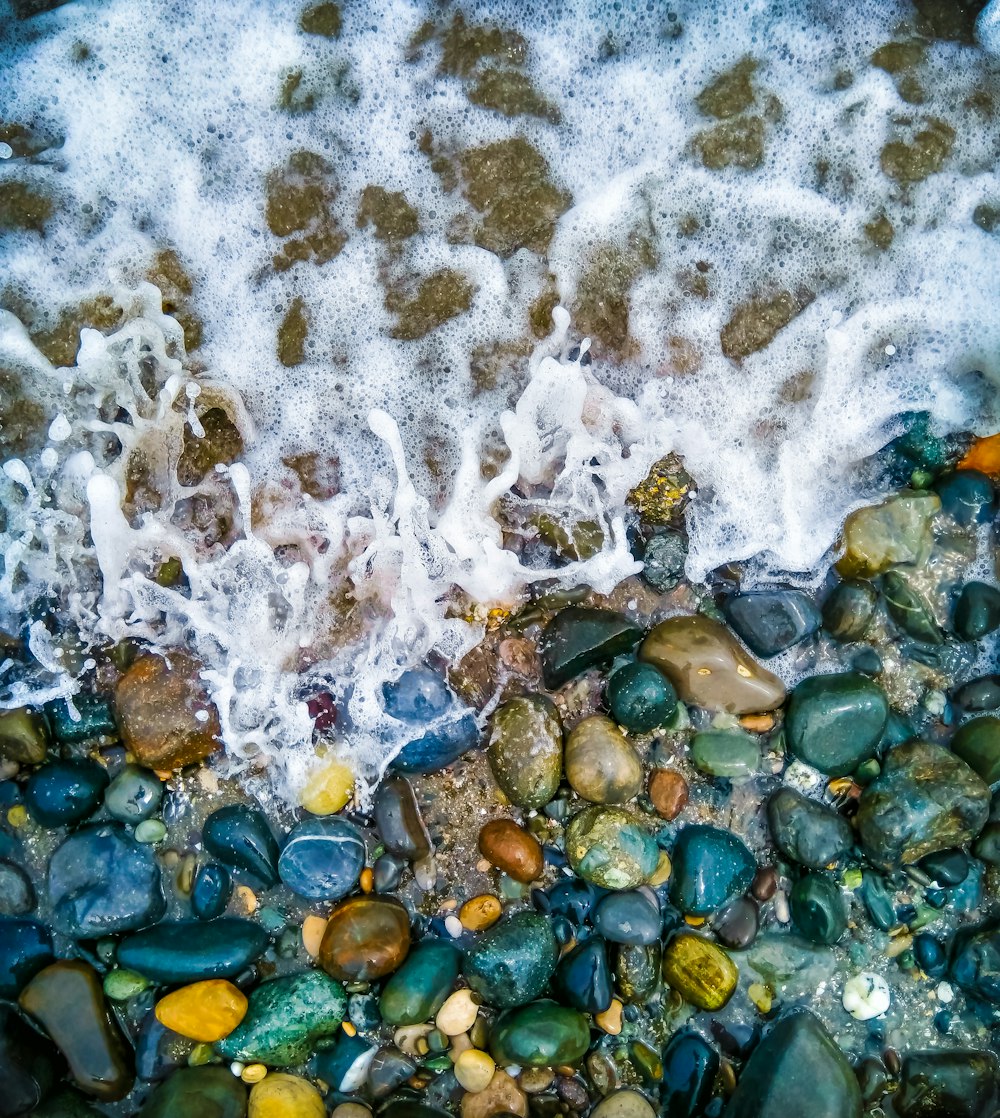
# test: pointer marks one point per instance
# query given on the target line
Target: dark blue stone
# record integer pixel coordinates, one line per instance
(323, 858)
(211, 891)
(807, 831)
(580, 637)
(946, 867)
(690, 1065)
(967, 496)
(344, 1065)
(572, 897)
(96, 719)
(64, 792)
(241, 837)
(159, 1050)
(930, 954)
(769, 621)
(710, 867)
(419, 695)
(867, 661)
(979, 694)
(439, 746)
(583, 977)
(179, 951)
(25, 947)
(628, 917)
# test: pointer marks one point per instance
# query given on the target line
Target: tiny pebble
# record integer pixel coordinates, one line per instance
(453, 926)
(944, 992)
(866, 995)
(253, 1073)
(150, 831)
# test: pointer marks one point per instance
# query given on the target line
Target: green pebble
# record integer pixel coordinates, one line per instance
(640, 697)
(818, 909)
(122, 984)
(512, 962)
(977, 742)
(150, 830)
(540, 1035)
(835, 722)
(418, 989)
(724, 753)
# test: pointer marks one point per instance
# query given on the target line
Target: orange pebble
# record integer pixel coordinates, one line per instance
(205, 1011)
(983, 455)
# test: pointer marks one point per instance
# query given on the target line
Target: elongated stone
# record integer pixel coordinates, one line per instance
(525, 750)
(512, 849)
(818, 909)
(398, 819)
(638, 970)
(540, 1035)
(834, 722)
(28, 1066)
(512, 962)
(700, 971)
(418, 989)
(807, 831)
(977, 611)
(710, 867)
(909, 609)
(690, 1065)
(579, 637)
(211, 891)
(178, 951)
(206, 1092)
(583, 977)
(610, 847)
(709, 668)
(849, 609)
(365, 938)
(725, 753)
(601, 764)
(205, 1011)
(322, 858)
(769, 621)
(240, 836)
(442, 744)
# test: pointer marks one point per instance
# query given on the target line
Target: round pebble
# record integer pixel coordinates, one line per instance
(133, 795)
(458, 1014)
(668, 791)
(474, 1070)
(866, 995)
(480, 913)
(150, 831)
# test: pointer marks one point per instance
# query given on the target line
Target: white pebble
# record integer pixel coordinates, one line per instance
(453, 926)
(866, 995)
(458, 1014)
(944, 992)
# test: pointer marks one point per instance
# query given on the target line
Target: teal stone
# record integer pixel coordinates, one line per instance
(959, 1083)
(418, 989)
(909, 609)
(211, 891)
(177, 951)
(133, 795)
(640, 697)
(977, 742)
(540, 1035)
(725, 753)
(975, 961)
(807, 831)
(834, 722)
(877, 899)
(512, 962)
(710, 868)
(849, 609)
(207, 1092)
(25, 949)
(579, 637)
(285, 1018)
(240, 836)
(769, 621)
(95, 719)
(818, 909)
(610, 847)
(64, 792)
(977, 611)
(797, 1069)
(583, 976)
(987, 847)
(967, 496)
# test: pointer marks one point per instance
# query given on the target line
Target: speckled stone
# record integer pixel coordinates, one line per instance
(512, 962)
(525, 750)
(610, 847)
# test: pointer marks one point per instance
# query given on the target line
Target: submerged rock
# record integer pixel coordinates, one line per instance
(769, 621)
(807, 831)
(579, 637)
(977, 611)
(948, 1084)
(542, 1034)
(601, 764)
(834, 722)
(977, 742)
(849, 609)
(710, 867)
(896, 531)
(525, 750)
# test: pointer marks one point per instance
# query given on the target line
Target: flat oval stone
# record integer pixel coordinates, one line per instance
(736, 924)
(960, 1083)
(365, 938)
(629, 917)
(439, 746)
(67, 1000)
(398, 820)
(582, 978)
(525, 750)
(64, 792)
(818, 909)
(925, 799)
(512, 962)
(419, 695)
(849, 609)
(710, 867)
(25, 948)
(511, 849)
(285, 1018)
(540, 1035)
(178, 951)
(977, 611)
(101, 882)
(690, 1065)
(807, 831)
(211, 891)
(977, 742)
(207, 1092)
(834, 722)
(133, 795)
(796, 1069)
(979, 694)
(205, 1011)
(580, 637)
(725, 753)
(610, 847)
(322, 858)
(640, 697)
(769, 621)
(418, 989)
(623, 1103)
(240, 836)
(709, 668)
(700, 971)
(601, 764)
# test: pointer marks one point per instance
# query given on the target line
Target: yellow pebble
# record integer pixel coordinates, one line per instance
(474, 1070)
(694, 921)
(253, 1073)
(458, 1014)
(328, 789)
(761, 996)
(18, 815)
(349, 1028)
(205, 1011)
(313, 928)
(661, 874)
(610, 1021)
(367, 881)
(480, 913)
(246, 899)
(285, 1096)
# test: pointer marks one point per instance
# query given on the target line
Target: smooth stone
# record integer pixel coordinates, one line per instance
(664, 559)
(158, 702)
(807, 831)
(797, 1069)
(101, 882)
(977, 611)
(583, 979)
(975, 961)
(979, 694)
(930, 954)
(724, 753)
(578, 638)
(709, 668)
(133, 795)
(241, 837)
(512, 849)
(710, 867)
(601, 764)
(344, 1064)
(390, 1068)
(977, 742)
(946, 867)
(849, 609)
(24, 736)
(322, 858)
(512, 962)
(818, 909)
(571, 897)
(17, 895)
(64, 792)
(95, 718)
(736, 925)
(211, 891)
(158, 1051)
(525, 750)
(25, 948)
(700, 971)
(629, 917)
(419, 695)
(502, 1097)
(834, 722)
(769, 621)
(880, 536)
(624, 1103)
(987, 846)
(398, 820)
(877, 899)
(926, 799)
(285, 1096)
(668, 792)
(98, 1058)
(909, 609)
(440, 746)
(967, 496)
(285, 1018)
(640, 697)
(418, 989)
(959, 1083)
(690, 1065)
(610, 847)
(28, 1068)
(540, 1035)
(204, 1011)
(206, 1092)
(178, 951)
(637, 971)
(365, 938)
(66, 1102)
(387, 873)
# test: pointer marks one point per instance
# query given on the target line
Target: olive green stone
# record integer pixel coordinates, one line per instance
(977, 742)
(909, 609)
(579, 637)
(925, 799)
(818, 909)
(834, 722)
(208, 1092)
(284, 1019)
(700, 971)
(525, 750)
(637, 970)
(732, 755)
(610, 847)
(601, 764)
(512, 962)
(540, 1035)
(849, 608)
(23, 737)
(418, 989)
(709, 667)
(880, 536)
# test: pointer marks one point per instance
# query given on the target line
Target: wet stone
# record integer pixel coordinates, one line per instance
(418, 989)
(977, 742)
(525, 750)
(818, 909)
(769, 621)
(629, 917)
(205, 1092)
(637, 971)
(27, 1065)
(512, 962)
(723, 753)
(909, 609)
(23, 736)
(663, 560)
(736, 924)
(979, 694)
(690, 1065)
(64, 792)
(834, 722)
(178, 951)
(700, 971)
(930, 954)
(977, 611)
(623, 1104)
(710, 867)
(610, 847)
(241, 837)
(211, 891)
(204, 1011)
(419, 695)
(101, 881)
(25, 948)
(946, 867)
(877, 899)
(958, 1083)
(640, 697)
(896, 531)
(601, 764)
(583, 977)
(975, 961)
(94, 718)
(967, 496)
(440, 746)
(398, 819)
(512, 850)
(133, 795)
(17, 896)
(668, 792)
(366, 938)
(542, 1034)
(579, 637)
(849, 609)
(322, 858)
(807, 831)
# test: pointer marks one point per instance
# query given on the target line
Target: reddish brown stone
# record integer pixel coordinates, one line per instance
(510, 848)
(365, 938)
(669, 792)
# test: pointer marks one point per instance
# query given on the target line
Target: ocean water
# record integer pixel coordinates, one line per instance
(447, 272)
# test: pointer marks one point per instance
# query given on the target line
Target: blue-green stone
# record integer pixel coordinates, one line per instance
(877, 899)
(610, 847)
(133, 795)
(583, 977)
(967, 496)
(640, 697)
(807, 831)
(849, 609)
(975, 961)
(322, 858)
(96, 719)
(241, 837)
(725, 753)
(418, 989)
(977, 611)
(580, 637)
(690, 1065)
(959, 1083)
(909, 609)
(818, 909)
(512, 962)
(834, 722)
(64, 792)
(25, 948)
(540, 1035)
(979, 694)
(710, 867)
(664, 559)
(211, 891)
(207, 1092)
(769, 621)
(178, 951)
(632, 916)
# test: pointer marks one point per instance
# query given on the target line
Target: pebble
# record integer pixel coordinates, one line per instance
(624, 1103)
(710, 867)
(818, 909)
(807, 831)
(542, 1034)
(480, 913)
(668, 791)
(133, 795)
(580, 637)
(896, 531)
(525, 750)
(17, 895)
(640, 697)
(474, 1070)
(25, 948)
(398, 819)
(610, 847)
(977, 742)
(512, 962)
(201, 1092)
(723, 753)
(419, 695)
(458, 1013)
(835, 721)
(511, 849)
(366, 938)
(240, 836)
(205, 1011)
(175, 952)
(285, 1096)
(769, 621)
(700, 971)
(610, 1020)
(849, 609)
(601, 764)
(631, 916)
(211, 891)
(583, 977)
(23, 736)
(501, 1096)
(866, 995)
(64, 792)
(977, 611)
(416, 991)
(322, 858)
(328, 789)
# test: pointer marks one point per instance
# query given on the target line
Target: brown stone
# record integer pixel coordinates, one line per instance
(502, 1096)
(366, 938)
(668, 791)
(158, 702)
(510, 848)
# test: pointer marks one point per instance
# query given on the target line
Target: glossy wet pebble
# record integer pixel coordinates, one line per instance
(366, 938)
(444, 743)
(133, 795)
(511, 849)
(623, 1104)
(601, 764)
(17, 895)
(849, 609)
(205, 1011)
(807, 831)
(64, 792)
(583, 977)
(322, 858)
(834, 722)
(419, 695)
(579, 637)
(211, 891)
(736, 924)
(285, 1096)
(769, 621)
(25, 948)
(398, 819)
(818, 909)
(240, 836)
(959, 1083)
(668, 792)
(542, 1034)
(525, 750)
(200, 1092)
(977, 611)
(725, 753)
(690, 1065)
(23, 736)
(977, 742)
(640, 697)
(610, 847)
(710, 867)
(629, 917)
(177, 951)
(967, 496)
(700, 971)
(512, 962)
(418, 989)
